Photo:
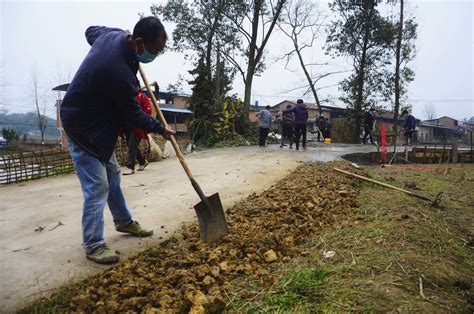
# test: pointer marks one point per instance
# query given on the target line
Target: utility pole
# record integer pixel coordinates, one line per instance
(218, 74)
(397, 76)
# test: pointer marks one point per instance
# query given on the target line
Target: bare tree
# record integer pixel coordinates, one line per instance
(300, 19)
(429, 111)
(262, 16)
(41, 117)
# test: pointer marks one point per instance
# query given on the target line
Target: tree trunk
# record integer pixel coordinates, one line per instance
(361, 73)
(218, 73)
(252, 59)
(397, 78)
(308, 76)
(248, 93)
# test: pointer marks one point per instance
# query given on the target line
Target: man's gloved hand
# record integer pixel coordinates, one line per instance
(168, 132)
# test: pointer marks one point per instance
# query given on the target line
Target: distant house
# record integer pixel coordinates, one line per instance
(175, 109)
(313, 112)
(444, 129)
(337, 116)
(468, 130)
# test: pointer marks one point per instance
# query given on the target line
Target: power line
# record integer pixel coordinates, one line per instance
(434, 100)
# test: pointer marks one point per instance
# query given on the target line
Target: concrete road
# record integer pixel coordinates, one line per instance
(40, 222)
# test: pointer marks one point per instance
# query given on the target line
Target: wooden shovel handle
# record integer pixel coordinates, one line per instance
(162, 119)
(382, 184)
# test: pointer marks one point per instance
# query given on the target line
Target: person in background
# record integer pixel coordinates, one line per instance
(100, 99)
(264, 123)
(301, 118)
(369, 122)
(409, 128)
(287, 127)
(134, 136)
(320, 126)
(327, 128)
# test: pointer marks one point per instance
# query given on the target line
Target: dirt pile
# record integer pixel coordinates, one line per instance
(187, 274)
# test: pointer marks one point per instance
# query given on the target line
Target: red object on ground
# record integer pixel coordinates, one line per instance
(383, 142)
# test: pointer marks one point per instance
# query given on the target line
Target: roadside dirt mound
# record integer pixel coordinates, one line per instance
(187, 274)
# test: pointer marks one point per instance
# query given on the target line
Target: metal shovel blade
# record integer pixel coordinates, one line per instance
(212, 222)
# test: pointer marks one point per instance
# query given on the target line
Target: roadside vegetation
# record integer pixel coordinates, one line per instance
(393, 253)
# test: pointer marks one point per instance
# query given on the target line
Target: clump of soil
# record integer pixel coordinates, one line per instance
(187, 274)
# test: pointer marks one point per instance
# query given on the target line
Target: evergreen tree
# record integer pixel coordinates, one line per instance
(361, 33)
(201, 104)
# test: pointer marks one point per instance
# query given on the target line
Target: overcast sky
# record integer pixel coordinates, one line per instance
(49, 35)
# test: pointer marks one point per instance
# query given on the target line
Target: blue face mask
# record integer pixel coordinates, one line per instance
(145, 56)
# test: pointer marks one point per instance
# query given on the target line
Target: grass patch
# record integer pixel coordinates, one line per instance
(298, 289)
(393, 253)
(394, 241)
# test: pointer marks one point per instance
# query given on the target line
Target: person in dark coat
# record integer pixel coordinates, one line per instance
(369, 121)
(287, 121)
(101, 98)
(320, 125)
(409, 128)
(301, 117)
(327, 128)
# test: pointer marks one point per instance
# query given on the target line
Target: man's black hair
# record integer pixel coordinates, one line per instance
(405, 111)
(149, 29)
(299, 101)
(268, 107)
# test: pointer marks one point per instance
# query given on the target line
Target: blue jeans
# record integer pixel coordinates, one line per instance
(100, 183)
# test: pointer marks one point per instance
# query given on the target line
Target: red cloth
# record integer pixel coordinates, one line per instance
(383, 142)
(144, 103)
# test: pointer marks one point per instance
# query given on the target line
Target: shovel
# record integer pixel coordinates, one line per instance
(212, 221)
(436, 202)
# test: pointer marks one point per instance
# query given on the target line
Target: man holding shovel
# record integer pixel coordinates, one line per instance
(101, 98)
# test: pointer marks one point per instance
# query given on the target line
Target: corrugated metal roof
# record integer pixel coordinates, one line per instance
(176, 110)
(430, 123)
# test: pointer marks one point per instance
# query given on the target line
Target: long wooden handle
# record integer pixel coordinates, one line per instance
(162, 119)
(382, 184)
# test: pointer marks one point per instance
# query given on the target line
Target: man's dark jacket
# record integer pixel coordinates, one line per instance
(320, 122)
(410, 122)
(369, 119)
(103, 96)
(300, 111)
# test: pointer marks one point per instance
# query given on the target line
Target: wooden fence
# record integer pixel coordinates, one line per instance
(23, 166)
